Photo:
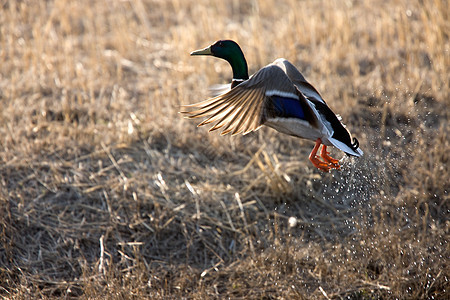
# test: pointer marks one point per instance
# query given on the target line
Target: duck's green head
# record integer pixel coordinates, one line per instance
(231, 52)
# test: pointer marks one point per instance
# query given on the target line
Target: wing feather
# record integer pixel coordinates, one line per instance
(239, 114)
(225, 109)
(298, 79)
(244, 115)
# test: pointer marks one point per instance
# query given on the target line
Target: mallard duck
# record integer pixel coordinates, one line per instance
(277, 96)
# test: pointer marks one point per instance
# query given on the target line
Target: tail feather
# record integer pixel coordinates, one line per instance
(355, 150)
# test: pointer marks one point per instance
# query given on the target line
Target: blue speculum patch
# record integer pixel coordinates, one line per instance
(288, 107)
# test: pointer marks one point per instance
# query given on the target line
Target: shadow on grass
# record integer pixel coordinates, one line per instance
(166, 218)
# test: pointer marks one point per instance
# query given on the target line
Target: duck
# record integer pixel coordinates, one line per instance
(277, 96)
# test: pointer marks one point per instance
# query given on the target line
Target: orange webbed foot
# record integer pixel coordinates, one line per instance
(334, 163)
(321, 165)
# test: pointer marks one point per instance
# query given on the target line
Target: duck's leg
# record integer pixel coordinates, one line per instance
(334, 163)
(317, 162)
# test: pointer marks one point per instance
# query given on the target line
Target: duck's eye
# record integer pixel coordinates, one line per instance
(220, 44)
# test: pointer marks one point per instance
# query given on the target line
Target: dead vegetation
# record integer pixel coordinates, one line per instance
(105, 191)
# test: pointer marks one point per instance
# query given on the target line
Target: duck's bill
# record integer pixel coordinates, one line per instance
(205, 51)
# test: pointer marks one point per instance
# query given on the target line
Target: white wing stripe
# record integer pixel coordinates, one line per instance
(270, 93)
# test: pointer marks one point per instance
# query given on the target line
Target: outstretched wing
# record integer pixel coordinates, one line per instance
(269, 93)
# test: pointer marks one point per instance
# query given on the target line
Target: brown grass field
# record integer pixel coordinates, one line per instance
(107, 192)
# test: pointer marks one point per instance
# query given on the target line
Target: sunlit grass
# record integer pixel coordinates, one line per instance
(105, 190)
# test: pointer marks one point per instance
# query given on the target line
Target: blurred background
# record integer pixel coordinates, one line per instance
(105, 190)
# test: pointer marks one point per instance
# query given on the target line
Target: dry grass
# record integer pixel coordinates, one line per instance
(105, 191)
